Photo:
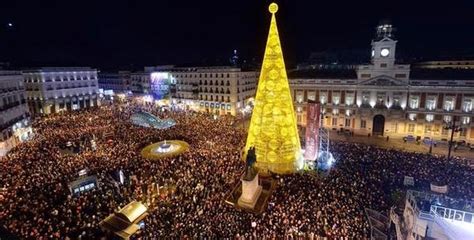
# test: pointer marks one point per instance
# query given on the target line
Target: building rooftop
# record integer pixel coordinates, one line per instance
(60, 69)
(323, 73)
(442, 74)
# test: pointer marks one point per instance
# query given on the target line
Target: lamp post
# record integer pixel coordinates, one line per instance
(451, 125)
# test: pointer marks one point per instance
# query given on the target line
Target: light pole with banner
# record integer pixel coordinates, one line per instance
(454, 127)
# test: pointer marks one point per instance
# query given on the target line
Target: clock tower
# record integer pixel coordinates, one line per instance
(383, 56)
(384, 46)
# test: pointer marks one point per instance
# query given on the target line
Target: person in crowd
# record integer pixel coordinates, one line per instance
(35, 201)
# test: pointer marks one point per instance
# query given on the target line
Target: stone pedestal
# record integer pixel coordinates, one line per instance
(251, 190)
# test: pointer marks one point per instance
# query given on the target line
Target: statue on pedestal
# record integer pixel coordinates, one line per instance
(251, 189)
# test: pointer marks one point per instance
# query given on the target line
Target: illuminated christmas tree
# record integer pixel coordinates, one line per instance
(273, 130)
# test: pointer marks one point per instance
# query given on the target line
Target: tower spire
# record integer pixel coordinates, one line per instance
(273, 130)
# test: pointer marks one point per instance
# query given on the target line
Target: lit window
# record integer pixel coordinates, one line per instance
(414, 103)
(465, 120)
(336, 99)
(430, 104)
(363, 123)
(396, 101)
(335, 111)
(348, 112)
(427, 128)
(349, 100)
(348, 122)
(412, 116)
(463, 132)
(299, 99)
(323, 98)
(467, 105)
(429, 117)
(444, 131)
(447, 118)
(449, 104)
(411, 128)
(365, 98)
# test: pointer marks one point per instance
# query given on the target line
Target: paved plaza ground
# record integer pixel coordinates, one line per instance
(394, 142)
(397, 143)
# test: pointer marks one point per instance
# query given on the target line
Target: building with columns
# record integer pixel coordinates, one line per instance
(389, 99)
(55, 89)
(14, 117)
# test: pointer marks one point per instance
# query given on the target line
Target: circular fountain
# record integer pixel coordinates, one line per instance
(163, 149)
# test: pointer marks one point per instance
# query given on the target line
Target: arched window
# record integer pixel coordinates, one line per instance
(222, 98)
(210, 90)
(200, 82)
(228, 91)
(217, 82)
(222, 90)
(205, 82)
(222, 82)
(212, 98)
(228, 83)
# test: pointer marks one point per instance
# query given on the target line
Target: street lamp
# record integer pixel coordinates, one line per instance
(451, 125)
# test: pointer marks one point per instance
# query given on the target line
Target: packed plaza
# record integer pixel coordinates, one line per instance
(36, 202)
(233, 153)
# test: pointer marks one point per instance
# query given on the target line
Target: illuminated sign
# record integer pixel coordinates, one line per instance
(160, 85)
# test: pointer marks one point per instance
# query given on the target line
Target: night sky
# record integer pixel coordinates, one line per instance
(119, 33)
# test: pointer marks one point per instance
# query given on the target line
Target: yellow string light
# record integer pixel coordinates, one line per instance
(273, 130)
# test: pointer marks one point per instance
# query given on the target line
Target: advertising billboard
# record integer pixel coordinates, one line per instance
(160, 85)
(312, 131)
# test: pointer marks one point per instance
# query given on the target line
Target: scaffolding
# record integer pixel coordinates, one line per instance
(325, 159)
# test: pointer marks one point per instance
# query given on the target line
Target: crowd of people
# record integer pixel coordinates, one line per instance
(36, 201)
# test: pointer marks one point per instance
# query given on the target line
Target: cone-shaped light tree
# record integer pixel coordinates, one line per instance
(273, 130)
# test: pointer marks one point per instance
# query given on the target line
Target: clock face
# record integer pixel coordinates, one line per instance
(385, 52)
